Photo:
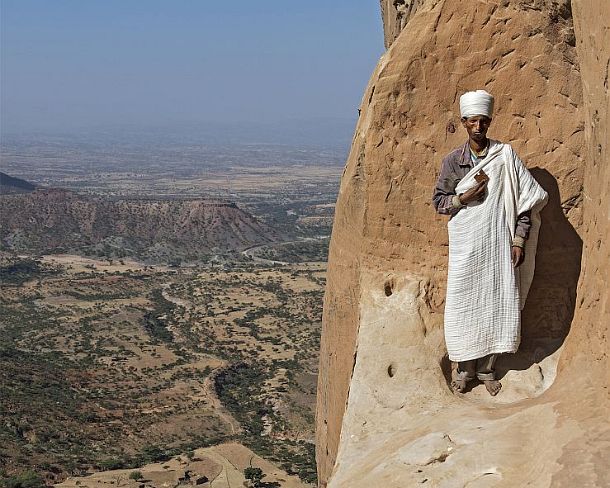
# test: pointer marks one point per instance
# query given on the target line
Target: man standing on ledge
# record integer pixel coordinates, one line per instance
(494, 204)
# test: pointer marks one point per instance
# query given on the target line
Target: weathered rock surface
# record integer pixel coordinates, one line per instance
(386, 416)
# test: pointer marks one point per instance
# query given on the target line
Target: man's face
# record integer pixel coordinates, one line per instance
(477, 127)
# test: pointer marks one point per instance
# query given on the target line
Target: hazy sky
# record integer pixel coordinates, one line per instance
(68, 64)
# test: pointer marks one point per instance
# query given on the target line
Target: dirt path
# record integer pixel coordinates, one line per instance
(175, 300)
(209, 391)
(250, 253)
(223, 465)
(214, 401)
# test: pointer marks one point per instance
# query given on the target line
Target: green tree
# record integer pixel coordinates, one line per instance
(254, 476)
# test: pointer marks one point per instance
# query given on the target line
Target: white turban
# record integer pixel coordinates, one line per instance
(476, 103)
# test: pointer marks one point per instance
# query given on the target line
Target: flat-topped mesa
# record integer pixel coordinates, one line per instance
(58, 220)
(386, 415)
(10, 184)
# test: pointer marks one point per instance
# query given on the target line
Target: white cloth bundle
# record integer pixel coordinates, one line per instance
(485, 293)
(477, 102)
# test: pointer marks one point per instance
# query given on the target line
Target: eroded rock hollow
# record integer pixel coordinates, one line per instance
(386, 416)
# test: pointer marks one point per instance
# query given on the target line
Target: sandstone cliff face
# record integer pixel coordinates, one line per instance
(395, 15)
(386, 416)
(593, 29)
(582, 384)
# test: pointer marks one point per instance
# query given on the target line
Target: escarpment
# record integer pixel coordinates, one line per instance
(55, 220)
(386, 416)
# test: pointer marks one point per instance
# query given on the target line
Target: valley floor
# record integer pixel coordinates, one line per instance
(112, 364)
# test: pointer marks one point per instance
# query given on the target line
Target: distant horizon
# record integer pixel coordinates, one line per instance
(314, 132)
(71, 68)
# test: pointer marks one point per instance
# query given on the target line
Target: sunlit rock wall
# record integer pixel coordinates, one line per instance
(383, 369)
(591, 340)
(395, 14)
(581, 389)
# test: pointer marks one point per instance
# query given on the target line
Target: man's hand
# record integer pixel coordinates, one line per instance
(474, 194)
(518, 255)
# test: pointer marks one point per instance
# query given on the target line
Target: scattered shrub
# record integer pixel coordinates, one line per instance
(28, 479)
(135, 475)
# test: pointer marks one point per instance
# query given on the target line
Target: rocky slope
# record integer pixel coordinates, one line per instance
(386, 416)
(10, 184)
(59, 221)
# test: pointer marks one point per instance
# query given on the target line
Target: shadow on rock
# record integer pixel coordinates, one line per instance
(548, 312)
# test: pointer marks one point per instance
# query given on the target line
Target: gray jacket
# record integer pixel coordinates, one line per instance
(454, 167)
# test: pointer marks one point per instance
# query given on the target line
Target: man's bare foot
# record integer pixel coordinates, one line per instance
(459, 386)
(493, 386)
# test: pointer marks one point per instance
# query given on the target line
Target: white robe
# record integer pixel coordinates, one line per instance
(485, 293)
